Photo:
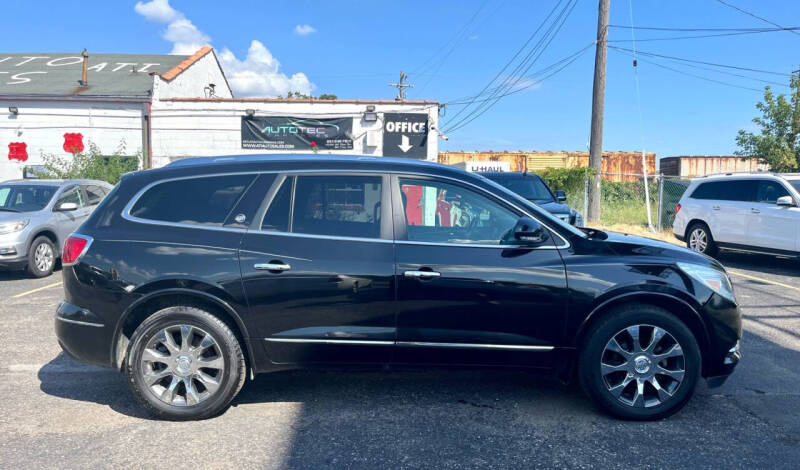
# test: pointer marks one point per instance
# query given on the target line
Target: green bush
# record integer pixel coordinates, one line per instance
(90, 165)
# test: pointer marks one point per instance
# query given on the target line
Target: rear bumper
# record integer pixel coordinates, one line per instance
(83, 335)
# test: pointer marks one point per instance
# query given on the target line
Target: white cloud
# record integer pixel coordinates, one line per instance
(304, 29)
(473, 37)
(158, 11)
(258, 74)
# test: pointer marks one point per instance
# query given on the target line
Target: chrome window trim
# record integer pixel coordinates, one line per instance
(126, 211)
(127, 216)
(424, 344)
(322, 237)
(331, 341)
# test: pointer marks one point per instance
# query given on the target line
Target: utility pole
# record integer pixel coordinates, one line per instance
(598, 96)
(401, 87)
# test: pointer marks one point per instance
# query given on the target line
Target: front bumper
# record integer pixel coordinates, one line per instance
(732, 358)
(83, 335)
(13, 250)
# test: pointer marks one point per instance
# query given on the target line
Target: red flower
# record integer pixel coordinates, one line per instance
(313, 143)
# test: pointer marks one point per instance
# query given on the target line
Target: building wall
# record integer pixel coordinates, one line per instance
(616, 166)
(41, 125)
(193, 81)
(694, 166)
(188, 128)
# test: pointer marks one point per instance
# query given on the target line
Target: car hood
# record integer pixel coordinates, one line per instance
(631, 245)
(554, 207)
(13, 216)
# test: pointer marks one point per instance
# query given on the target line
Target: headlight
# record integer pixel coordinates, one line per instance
(14, 226)
(713, 278)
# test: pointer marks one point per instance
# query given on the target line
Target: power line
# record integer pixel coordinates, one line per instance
(652, 54)
(521, 69)
(514, 57)
(720, 82)
(741, 10)
(700, 36)
(699, 30)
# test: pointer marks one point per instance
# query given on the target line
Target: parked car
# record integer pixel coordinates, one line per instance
(36, 216)
(191, 277)
(533, 188)
(751, 212)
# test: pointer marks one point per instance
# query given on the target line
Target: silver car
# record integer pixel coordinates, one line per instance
(36, 216)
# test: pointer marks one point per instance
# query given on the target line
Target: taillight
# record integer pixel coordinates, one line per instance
(677, 208)
(74, 247)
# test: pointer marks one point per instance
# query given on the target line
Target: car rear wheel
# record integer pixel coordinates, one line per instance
(640, 362)
(699, 239)
(41, 257)
(184, 363)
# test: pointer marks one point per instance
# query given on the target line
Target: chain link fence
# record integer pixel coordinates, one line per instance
(624, 195)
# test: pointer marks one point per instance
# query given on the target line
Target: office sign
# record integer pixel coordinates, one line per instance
(297, 133)
(405, 135)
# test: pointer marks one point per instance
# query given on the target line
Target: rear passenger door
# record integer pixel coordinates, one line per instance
(317, 269)
(728, 208)
(770, 225)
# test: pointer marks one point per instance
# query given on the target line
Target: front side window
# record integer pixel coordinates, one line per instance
(770, 191)
(25, 198)
(73, 195)
(345, 206)
(439, 212)
(201, 200)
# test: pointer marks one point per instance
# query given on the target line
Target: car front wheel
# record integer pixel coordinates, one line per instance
(640, 362)
(41, 257)
(183, 363)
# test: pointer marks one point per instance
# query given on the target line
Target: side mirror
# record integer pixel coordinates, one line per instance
(561, 195)
(67, 207)
(529, 231)
(785, 201)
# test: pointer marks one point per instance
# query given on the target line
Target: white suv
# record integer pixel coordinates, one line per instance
(754, 212)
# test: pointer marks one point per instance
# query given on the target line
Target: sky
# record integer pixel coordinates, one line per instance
(451, 50)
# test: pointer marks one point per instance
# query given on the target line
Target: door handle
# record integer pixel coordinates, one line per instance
(272, 266)
(755, 211)
(421, 274)
(716, 208)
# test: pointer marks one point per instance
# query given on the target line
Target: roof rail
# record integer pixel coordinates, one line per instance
(732, 173)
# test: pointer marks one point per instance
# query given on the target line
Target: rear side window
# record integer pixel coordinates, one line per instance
(202, 200)
(277, 216)
(770, 191)
(741, 190)
(346, 206)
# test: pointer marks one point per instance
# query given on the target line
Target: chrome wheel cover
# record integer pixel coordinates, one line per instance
(642, 366)
(182, 365)
(698, 240)
(43, 257)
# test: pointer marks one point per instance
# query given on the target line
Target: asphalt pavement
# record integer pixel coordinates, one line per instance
(55, 412)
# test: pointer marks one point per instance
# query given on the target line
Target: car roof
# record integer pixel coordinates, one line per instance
(742, 175)
(511, 174)
(53, 182)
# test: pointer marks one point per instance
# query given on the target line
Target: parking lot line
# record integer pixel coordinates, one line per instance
(33, 291)
(775, 283)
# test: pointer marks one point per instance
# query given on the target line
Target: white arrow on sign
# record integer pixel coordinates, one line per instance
(404, 145)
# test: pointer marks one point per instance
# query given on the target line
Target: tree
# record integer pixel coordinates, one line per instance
(90, 165)
(778, 143)
(327, 96)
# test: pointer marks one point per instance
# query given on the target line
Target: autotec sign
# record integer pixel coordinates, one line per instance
(296, 133)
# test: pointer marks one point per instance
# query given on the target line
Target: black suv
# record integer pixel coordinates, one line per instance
(533, 188)
(190, 277)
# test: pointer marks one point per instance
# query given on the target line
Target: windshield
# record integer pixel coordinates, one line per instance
(795, 184)
(530, 187)
(540, 213)
(25, 198)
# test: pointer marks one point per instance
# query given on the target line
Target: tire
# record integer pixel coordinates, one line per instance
(180, 365)
(704, 242)
(600, 382)
(41, 257)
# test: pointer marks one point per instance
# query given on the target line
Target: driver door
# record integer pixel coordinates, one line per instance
(466, 294)
(69, 221)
